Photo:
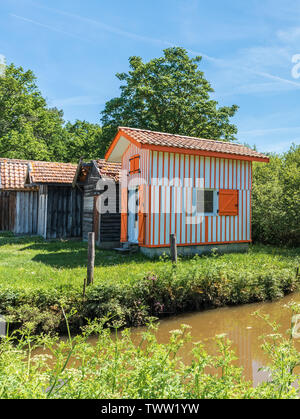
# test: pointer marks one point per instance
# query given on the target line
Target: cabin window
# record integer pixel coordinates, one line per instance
(205, 201)
(135, 164)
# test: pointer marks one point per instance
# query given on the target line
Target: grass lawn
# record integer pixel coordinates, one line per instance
(36, 263)
(39, 273)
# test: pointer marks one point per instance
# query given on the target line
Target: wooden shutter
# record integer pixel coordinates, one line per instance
(228, 202)
(132, 165)
(124, 203)
(135, 164)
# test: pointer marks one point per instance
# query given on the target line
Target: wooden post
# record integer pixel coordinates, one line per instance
(91, 258)
(173, 248)
(84, 288)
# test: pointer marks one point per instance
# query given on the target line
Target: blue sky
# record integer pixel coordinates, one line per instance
(75, 48)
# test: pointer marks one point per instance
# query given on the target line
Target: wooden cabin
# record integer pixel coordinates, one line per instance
(197, 189)
(99, 182)
(37, 198)
(18, 204)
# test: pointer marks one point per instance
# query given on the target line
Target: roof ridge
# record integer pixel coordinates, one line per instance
(20, 161)
(183, 136)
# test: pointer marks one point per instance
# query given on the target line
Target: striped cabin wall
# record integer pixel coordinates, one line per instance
(172, 181)
(137, 179)
(131, 151)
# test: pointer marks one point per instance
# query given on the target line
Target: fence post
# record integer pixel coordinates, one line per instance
(173, 248)
(91, 258)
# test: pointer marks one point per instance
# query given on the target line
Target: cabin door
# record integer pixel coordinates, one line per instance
(133, 215)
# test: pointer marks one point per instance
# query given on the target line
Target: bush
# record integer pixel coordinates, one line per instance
(276, 199)
(142, 288)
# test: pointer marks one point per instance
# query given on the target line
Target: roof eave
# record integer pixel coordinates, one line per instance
(182, 150)
(205, 153)
(115, 141)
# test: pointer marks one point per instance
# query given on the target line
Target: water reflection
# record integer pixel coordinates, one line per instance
(238, 323)
(241, 327)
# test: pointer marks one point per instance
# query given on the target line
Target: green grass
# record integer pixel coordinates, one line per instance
(36, 274)
(28, 263)
(35, 263)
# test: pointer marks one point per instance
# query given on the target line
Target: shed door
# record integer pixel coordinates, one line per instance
(133, 215)
(64, 212)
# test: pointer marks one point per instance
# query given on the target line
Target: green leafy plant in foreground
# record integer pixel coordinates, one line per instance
(116, 367)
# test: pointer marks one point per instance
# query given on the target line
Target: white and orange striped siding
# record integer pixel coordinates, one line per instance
(172, 181)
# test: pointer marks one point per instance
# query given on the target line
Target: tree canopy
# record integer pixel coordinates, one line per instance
(168, 94)
(83, 140)
(276, 199)
(28, 128)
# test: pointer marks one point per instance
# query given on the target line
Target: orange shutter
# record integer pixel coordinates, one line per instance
(124, 200)
(135, 164)
(132, 165)
(228, 202)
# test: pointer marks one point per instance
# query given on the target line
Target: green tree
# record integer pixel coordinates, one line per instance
(276, 199)
(84, 140)
(168, 94)
(28, 128)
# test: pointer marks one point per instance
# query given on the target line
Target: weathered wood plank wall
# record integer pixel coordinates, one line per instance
(106, 226)
(26, 220)
(64, 212)
(7, 210)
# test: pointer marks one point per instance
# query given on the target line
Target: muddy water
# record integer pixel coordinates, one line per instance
(241, 327)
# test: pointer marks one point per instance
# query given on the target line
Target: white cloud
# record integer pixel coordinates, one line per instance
(256, 63)
(51, 28)
(260, 132)
(289, 35)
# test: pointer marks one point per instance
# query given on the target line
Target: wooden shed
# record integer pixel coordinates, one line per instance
(60, 205)
(195, 188)
(37, 198)
(99, 181)
(18, 204)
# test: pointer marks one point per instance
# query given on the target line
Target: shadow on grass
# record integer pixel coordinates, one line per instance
(67, 254)
(10, 239)
(78, 259)
(257, 248)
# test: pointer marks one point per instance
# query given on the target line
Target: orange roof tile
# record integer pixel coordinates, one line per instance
(50, 172)
(160, 139)
(107, 169)
(13, 173)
